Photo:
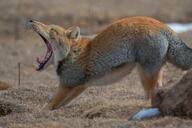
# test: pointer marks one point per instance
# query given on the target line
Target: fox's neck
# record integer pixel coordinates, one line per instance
(72, 70)
(80, 51)
(78, 54)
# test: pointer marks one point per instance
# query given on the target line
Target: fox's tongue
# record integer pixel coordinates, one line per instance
(38, 61)
(41, 63)
(47, 56)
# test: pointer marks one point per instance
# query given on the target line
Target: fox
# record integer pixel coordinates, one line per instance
(111, 55)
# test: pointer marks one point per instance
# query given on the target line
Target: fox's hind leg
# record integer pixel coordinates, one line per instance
(150, 82)
(160, 78)
(63, 96)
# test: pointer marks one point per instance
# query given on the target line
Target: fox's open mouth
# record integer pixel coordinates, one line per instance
(41, 63)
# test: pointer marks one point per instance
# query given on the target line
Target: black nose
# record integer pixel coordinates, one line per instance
(30, 21)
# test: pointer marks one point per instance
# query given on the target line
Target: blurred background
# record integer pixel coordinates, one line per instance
(90, 15)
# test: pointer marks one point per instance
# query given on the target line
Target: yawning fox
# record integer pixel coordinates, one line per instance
(111, 55)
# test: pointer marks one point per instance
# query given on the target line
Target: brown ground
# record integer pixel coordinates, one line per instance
(110, 106)
(175, 99)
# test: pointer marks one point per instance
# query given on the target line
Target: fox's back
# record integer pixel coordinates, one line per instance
(130, 29)
(137, 39)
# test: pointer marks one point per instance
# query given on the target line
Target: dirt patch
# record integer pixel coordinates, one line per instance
(5, 109)
(176, 100)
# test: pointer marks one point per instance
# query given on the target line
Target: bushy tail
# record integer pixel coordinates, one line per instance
(179, 53)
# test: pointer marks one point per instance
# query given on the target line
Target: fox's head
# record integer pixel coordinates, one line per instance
(57, 39)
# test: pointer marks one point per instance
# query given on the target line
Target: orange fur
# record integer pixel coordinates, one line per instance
(64, 96)
(150, 82)
(138, 26)
(108, 39)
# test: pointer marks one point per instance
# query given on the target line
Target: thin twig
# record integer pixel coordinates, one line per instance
(19, 73)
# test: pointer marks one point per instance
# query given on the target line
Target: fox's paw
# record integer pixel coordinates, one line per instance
(42, 111)
(44, 106)
(47, 106)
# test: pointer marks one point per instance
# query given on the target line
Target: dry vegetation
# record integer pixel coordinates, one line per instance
(110, 106)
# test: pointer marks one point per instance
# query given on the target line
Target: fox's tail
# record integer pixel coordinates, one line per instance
(4, 86)
(179, 53)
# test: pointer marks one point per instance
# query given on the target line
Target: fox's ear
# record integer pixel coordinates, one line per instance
(73, 33)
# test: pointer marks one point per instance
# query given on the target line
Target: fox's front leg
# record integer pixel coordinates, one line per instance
(64, 96)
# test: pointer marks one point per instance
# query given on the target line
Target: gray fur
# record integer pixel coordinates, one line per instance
(70, 74)
(150, 51)
(107, 60)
